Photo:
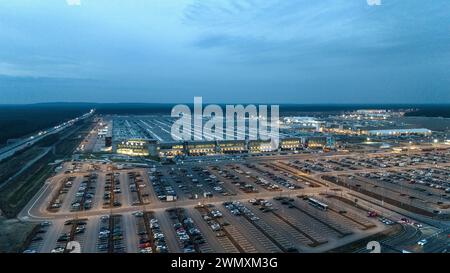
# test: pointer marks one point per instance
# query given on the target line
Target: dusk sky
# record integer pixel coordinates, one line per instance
(271, 51)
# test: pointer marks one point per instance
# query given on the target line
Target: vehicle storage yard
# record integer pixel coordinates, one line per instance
(295, 204)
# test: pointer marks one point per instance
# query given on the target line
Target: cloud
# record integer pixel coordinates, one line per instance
(374, 2)
(11, 70)
(277, 31)
(229, 49)
(73, 2)
(43, 69)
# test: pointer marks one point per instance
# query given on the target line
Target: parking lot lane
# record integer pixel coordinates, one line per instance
(92, 229)
(53, 233)
(130, 231)
(211, 240)
(152, 197)
(99, 191)
(125, 195)
(70, 195)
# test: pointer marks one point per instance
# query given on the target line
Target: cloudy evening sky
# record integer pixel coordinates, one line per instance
(272, 51)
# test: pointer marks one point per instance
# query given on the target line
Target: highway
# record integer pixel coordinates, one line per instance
(9, 150)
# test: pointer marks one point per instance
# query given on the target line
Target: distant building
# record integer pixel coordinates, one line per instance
(306, 123)
(399, 132)
(373, 114)
(371, 111)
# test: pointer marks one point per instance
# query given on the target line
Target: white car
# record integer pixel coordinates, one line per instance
(58, 250)
(46, 223)
(184, 237)
(138, 213)
(215, 227)
(146, 250)
(422, 242)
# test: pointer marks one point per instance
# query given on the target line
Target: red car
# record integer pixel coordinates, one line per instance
(372, 214)
(145, 245)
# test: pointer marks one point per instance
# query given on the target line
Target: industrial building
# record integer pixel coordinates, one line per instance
(201, 148)
(171, 149)
(133, 147)
(148, 137)
(146, 147)
(231, 146)
(260, 146)
(291, 144)
(320, 142)
(399, 132)
(304, 123)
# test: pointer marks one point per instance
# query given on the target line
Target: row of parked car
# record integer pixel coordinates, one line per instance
(237, 208)
(278, 179)
(111, 189)
(163, 190)
(138, 188)
(57, 202)
(189, 236)
(110, 235)
(85, 194)
(150, 238)
(210, 218)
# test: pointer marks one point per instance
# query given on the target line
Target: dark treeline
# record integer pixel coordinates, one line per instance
(20, 120)
(432, 111)
(285, 109)
(151, 108)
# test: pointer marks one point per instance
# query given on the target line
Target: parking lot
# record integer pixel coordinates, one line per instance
(298, 204)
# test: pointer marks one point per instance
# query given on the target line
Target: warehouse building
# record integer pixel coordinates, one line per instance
(133, 147)
(231, 147)
(201, 148)
(291, 144)
(171, 149)
(260, 146)
(399, 132)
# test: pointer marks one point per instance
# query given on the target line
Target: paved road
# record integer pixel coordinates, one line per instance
(8, 151)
